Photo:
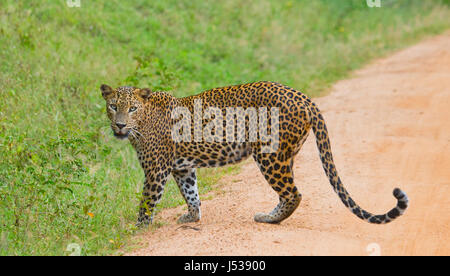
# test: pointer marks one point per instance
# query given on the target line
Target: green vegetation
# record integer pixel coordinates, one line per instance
(64, 178)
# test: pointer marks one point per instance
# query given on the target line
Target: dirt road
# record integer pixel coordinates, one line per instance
(389, 127)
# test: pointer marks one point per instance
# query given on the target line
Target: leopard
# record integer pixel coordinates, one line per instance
(146, 118)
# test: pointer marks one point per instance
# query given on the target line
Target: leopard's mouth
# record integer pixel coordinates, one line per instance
(121, 136)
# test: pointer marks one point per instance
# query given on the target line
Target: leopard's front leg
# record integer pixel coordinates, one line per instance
(187, 182)
(155, 181)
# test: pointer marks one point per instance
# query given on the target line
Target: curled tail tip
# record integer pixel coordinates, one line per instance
(402, 200)
(400, 195)
(402, 204)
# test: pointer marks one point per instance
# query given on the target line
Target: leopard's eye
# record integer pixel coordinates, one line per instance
(113, 107)
(132, 109)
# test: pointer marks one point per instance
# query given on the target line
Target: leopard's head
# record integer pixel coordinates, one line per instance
(125, 106)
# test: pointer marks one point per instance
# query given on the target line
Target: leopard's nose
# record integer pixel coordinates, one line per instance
(121, 125)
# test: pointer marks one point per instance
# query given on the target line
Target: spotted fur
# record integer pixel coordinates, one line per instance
(145, 118)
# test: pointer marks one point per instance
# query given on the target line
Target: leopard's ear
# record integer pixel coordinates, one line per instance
(144, 93)
(106, 91)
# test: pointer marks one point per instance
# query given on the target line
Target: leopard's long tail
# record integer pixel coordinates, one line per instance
(323, 144)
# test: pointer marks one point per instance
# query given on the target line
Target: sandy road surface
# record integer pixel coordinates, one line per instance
(389, 127)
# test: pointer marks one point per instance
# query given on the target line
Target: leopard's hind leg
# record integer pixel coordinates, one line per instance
(279, 174)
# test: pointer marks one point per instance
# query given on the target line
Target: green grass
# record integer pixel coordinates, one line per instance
(64, 179)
